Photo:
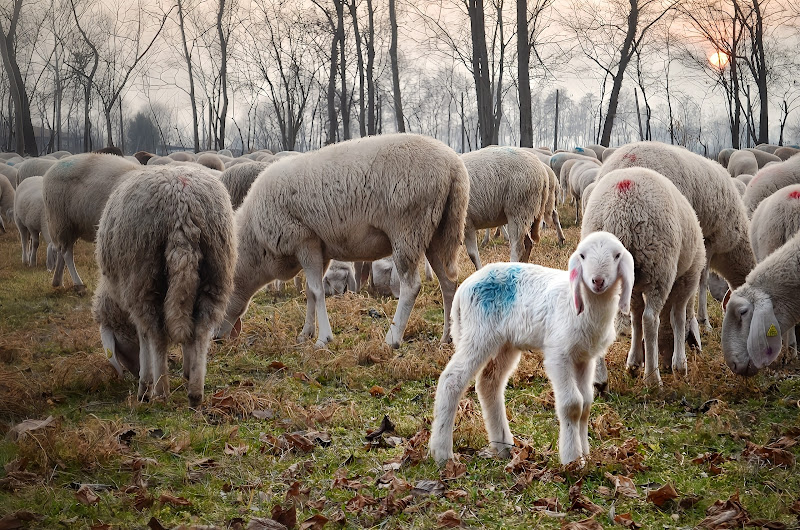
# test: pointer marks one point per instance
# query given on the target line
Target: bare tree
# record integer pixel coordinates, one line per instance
(188, 58)
(398, 102)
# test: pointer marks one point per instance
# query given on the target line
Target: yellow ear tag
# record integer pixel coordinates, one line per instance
(772, 332)
(109, 354)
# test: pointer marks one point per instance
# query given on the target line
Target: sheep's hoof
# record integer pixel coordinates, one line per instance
(633, 370)
(600, 388)
(321, 344)
(80, 290)
(195, 400)
(707, 325)
(653, 380)
(693, 336)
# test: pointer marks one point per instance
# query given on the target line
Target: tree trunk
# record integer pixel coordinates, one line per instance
(370, 69)
(624, 59)
(362, 118)
(345, 108)
(480, 71)
(398, 104)
(26, 137)
(192, 99)
(333, 124)
(523, 67)
(223, 74)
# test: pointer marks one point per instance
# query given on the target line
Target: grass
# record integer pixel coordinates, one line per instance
(235, 458)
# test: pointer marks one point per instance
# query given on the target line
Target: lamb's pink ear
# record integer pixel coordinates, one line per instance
(575, 279)
(237, 328)
(764, 340)
(625, 273)
(725, 300)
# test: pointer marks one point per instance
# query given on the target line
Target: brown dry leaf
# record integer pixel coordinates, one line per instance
(769, 525)
(773, 455)
(202, 463)
(687, 501)
(359, 502)
(623, 485)
(297, 494)
(340, 480)
(100, 526)
(315, 522)
(276, 365)
(266, 414)
(235, 450)
(626, 520)
(662, 495)
(585, 524)
(167, 498)
(428, 487)
(416, 448)
(550, 504)
(453, 469)
(456, 494)
(18, 519)
(27, 426)
(377, 391)
(178, 445)
(726, 514)
(626, 455)
(448, 519)
(795, 507)
(605, 491)
(607, 425)
(86, 496)
(385, 426)
(581, 502)
(142, 501)
(287, 517)
(304, 377)
(15, 480)
(155, 524)
(262, 523)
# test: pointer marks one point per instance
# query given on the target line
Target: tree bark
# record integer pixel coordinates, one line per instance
(370, 69)
(345, 108)
(223, 74)
(480, 71)
(333, 124)
(624, 59)
(192, 98)
(523, 67)
(398, 104)
(362, 118)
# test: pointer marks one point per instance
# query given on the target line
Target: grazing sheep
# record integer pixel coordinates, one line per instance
(769, 148)
(553, 192)
(384, 279)
(10, 173)
(581, 176)
(6, 201)
(709, 190)
(741, 187)
(166, 250)
(75, 190)
(744, 179)
(58, 155)
(557, 162)
(225, 152)
(159, 161)
(769, 180)
(182, 156)
(585, 152)
(725, 156)
(543, 158)
(785, 153)
(143, 157)
(742, 163)
(359, 200)
(506, 308)
(238, 180)
(507, 185)
(30, 218)
(339, 278)
(608, 152)
(763, 157)
(211, 161)
(759, 311)
(587, 192)
(658, 226)
(33, 167)
(717, 286)
(598, 150)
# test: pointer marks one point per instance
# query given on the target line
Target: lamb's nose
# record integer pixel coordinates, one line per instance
(598, 282)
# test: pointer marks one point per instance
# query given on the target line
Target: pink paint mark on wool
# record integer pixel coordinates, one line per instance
(573, 274)
(624, 185)
(629, 156)
(794, 195)
(183, 180)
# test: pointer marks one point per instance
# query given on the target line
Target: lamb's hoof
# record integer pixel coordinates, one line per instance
(600, 388)
(80, 290)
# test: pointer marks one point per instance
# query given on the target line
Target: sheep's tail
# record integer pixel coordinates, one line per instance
(182, 260)
(450, 232)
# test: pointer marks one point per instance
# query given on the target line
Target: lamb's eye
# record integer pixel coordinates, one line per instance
(616, 257)
(582, 256)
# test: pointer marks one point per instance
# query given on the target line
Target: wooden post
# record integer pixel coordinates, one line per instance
(555, 128)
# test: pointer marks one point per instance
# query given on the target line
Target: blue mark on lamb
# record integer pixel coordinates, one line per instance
(497, 291)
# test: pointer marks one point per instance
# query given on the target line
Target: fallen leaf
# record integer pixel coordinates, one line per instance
(626, 520)
(456, 494)
(18, 519)
(179, 445)
(277, 365)
(377, 391)
(86, 496)
(359, 502)
(429, 487)
(100, 526)
(448, 519)
(775, 456)
(585, 524)
(581, 502)
(662, 495)
(607, 425)
(315, 522)
(262, 523)
(302, 376)
(235, 450)
(623, 485)
(27, 426)
(687, 501)
(203, 463)
(287, 517)
(548, 503)
(626, 455)
(769, 525)
(297, 494)
(726, 514)
(154, 524)
(167, 498)
(795, 507)
(263, 414)
(385, 426)
(453, 469)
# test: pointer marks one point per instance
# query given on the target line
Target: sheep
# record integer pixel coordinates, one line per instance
(769, 180)
(724, 156)
(10, 173)
(109, 150)
(359, 200)
(507, 185)
(182, 156)
(384, 279)
(60, 154)
(785, 153)
(558, 160)
(760, 309)
(567, 315)
(581, 176)
(709, 190)
(740, 186)
(143, 157)
(598, 150)
(75, 190)
(769, 148)
(159, 161)
(744, 179)
(608, 152)
(590, 153)
(7, 156)
(658, 226)
(211, 161)
(6, 201)
(543, 158)
(339, 278)
(33, 167)
(553, 192)
(29, 216)
(742, 163)
(166, 249)
(225, 152)
(587, 192)
(238, 180)
(763, 157)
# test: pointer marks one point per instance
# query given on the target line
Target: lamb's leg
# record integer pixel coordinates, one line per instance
(490, 385)
(77, 283)
(601, 375)
(636, 353)
(314, 267)
(363, 268)
(584, 375)
(195, 352)
(569, 404)
(34, 249)
(680, 297)
(702, 306)
(464, 364)
(157, 347)
(650, 323)
(692, 327)
(577, 212)
(471, 242)
(535, 233)
(310, 323)
(409, 289)
(448, 288)
(557, 226)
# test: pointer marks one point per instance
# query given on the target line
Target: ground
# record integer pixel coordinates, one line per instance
(282, 431)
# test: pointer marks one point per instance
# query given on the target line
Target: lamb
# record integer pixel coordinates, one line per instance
(359, 200)
(75, 190)
(384, 279)
(166, 249)
(760, 310)
(567, 315)
(658, 226)
(553, 192)
(29, 216)
(6, 201)
(742, 163)
(238, 180)
(708, 188)
(33, 167)
(507, 185)
(557, 162)
(725, 156)
(339, 278)
(769, 180)
(10, 173)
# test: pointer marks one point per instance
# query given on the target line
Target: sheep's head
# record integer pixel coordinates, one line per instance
(598, 263)
(117, 333)
(751, 335)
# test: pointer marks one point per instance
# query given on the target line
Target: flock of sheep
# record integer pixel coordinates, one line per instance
(183, 242)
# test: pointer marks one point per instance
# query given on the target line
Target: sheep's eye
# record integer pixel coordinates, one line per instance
(743, 311)
(582, 256)
(616, 257)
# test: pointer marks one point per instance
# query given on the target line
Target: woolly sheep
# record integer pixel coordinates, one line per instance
(741, 187)
(725, 156)
(363, 199)
(585, 152)
(60, 154)
(225, 152)
(166, 251)
(109, 150)
(558, 160)
(769, 148)
(598, 150)
(507, 185)
(6, 201)
(75, 191)
(211, 161)
(708, 188)
(182, 156)
(744, 179)
(508, 307)
(763, 157)
(742, 163)
(759, 311)
(785, 153)
(581, 176)
(339, 278)
(29, 216)
(587, 192)
(159, 161)
(10, 173)
(33, 167)
(553, 192)
(658, 226)
(238, 180)
(384, 279)
(7, 156)
(769, 180)
(608, 152)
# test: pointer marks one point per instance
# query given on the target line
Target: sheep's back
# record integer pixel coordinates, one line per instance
(775, 221)
(769, 180)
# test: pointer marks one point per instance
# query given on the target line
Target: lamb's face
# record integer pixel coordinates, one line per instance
(751, 336)
(598, 262)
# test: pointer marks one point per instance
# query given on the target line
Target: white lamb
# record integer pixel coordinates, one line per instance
(505, 308)
(29, 216)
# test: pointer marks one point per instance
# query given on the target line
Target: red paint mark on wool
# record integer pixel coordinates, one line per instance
(794, 195)
(183, 180)
(624, 185)
(573, 274)
(629, 156)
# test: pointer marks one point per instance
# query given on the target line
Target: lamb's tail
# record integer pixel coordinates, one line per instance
(455, 317)
(182, 257)
(450, 232)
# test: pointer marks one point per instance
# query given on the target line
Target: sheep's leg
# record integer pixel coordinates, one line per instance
(428, 270)
(314, 268)
(601, 375)
(24, 235)
(584, 375)
(362, 268)
(58, 272)
(498, 230)
(569, 404)
(34, 249)
(517, 236)
(535, 233)
(702, 306)
(790, 341)
(464, 364)
(678, 318)
(145, 368)
(557, 226)
(52, 257)
(490, 385)
(195, 354)
(77, 283)
(577, 212)
(157, 348)
(692, 327)
(470, 241)
(486, 235)
(636, 353)
(298, 284)
(409, 289)
(650, 323)
(448, 288)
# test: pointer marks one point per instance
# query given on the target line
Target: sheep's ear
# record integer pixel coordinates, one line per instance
(110, 347)
(237, 328)
(764, 340)
(725, 300)
(625, 273)
(575, 279)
